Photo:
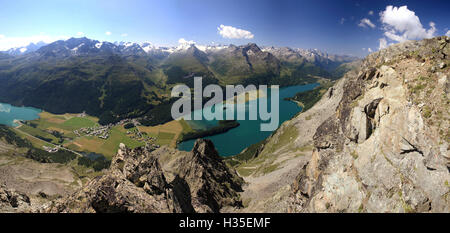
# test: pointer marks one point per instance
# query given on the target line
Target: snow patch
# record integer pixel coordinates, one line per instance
(76, 48)
(128, 44)
(99, 45)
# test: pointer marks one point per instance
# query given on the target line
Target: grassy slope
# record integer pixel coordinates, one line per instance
(256, 158)
(66, 123)
(18, 146)
(307, 99)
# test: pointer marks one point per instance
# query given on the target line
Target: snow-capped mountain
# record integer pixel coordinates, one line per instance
(84, 46)
(25, 49)
(147, 46)
(324, 60)
(312, 54)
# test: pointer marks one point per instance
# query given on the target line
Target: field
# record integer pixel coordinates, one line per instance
(38, 133)
(166, 134)
(64, 124)
(107, 147)
(34, 141)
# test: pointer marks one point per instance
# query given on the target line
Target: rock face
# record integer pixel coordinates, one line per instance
(212, 184)
(137, 183)
(134, 183)
(13, 201)
(385, 149)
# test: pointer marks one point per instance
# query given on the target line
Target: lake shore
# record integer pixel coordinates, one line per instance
(249, 132)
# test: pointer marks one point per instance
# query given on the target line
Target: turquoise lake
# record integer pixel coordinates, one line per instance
(9, 113)
(248, 133)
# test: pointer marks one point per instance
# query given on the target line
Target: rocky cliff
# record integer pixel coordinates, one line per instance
(377, 141)
(137, 183)
(385, 148)
(12, 200)
(211, 183)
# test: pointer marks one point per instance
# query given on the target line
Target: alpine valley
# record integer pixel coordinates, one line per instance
(372, 137)
(115, 81)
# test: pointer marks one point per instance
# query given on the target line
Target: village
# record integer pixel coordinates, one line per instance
(104, 132)
(89, 131)
(143, 137)
(101, 131)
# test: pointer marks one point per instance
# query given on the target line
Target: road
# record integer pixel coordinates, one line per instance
(60, 146)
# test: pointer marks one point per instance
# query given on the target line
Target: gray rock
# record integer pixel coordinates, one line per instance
(137, 183)
(397, 163)
(12, 200)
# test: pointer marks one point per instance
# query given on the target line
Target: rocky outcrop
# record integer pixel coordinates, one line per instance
(386, 147)
(13, 201)
(134, 183)
(137, 183)
(211, 183)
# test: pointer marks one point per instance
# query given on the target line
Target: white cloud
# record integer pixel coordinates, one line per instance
(342, 21)
(368, 50)
(448, 33)
(402, 24)
(124, 35)
(366, 22)
(383, 43)
(185, 42)
(14, 42)
(80, 33)
(370, 12)
(108, 33)
(234, 33)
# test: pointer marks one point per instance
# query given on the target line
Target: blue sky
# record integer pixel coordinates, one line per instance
(330, 25)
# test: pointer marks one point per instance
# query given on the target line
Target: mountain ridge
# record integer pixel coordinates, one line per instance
(80, 74)
(148, 47)
(139, 182)
(377, 141)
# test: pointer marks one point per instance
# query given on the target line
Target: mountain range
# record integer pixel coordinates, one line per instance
(377, 140)
(25, 49)
(123, 79)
